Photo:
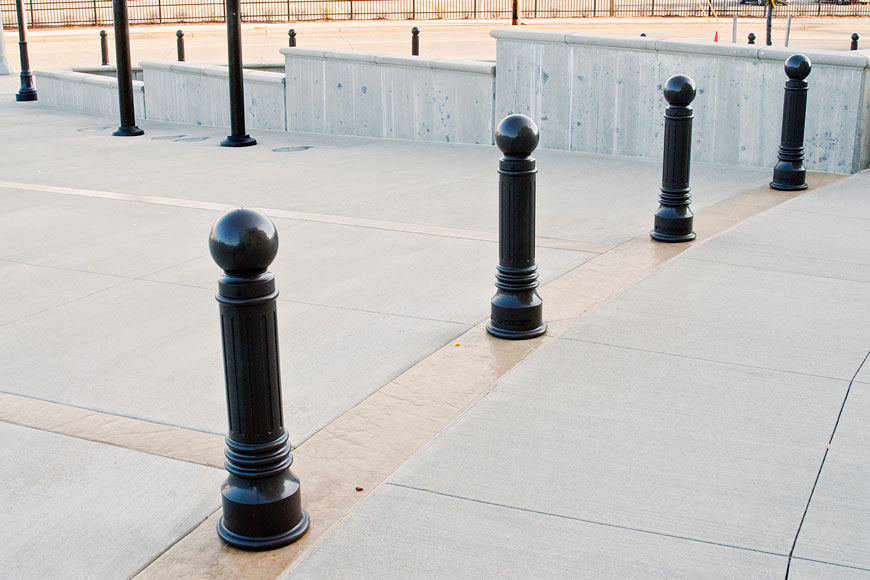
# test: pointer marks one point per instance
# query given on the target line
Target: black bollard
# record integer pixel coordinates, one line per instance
(769, 25)
(292, 34)
(751, 38)
(262, 505)
(674, 219)
(415, 41)
(855, 38)
(104, 47)
(516, 308)
(238, 137)
(643, 34)
(789, 173)
(179, 45)
(128, 126)
(27, 92)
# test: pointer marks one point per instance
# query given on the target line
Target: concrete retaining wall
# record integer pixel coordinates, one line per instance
(351, 93)
(80, 89)
(198, 94)
(603, 94)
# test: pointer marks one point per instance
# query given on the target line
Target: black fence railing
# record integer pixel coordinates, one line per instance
(53, 13)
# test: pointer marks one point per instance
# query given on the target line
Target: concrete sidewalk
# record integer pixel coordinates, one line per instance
(655, 430)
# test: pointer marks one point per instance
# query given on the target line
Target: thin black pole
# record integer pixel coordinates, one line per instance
(128, 126)
(27, 91)
(238, 137)
(769, 22)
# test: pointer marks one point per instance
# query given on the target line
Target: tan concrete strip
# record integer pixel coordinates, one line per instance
(429, 230)
(168, 441)
(364, 446)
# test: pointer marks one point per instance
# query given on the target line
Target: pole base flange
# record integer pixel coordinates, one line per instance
(25, 96)
(787, 186)
(660, 237)
(516, 334)
(262, 544)
(243, 141)
(133, 131)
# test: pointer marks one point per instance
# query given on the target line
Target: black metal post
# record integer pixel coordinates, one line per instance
(751, 38)
(179, 44)
(516, 308)
(292, 34)
(855, 38)
(515, 12)
(104, 47)
(262, 504)
(27, 92)
(238, 137)
(128, 126)
(769, 22)
(674, 218)
(789, 173)
(415, 41)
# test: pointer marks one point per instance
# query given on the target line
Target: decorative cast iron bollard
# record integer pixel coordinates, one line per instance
(104, 48)
(415, 41)
(128, 126)
(262, 506)
(516, 308)
(179, 45)
(855, 38)
(674, 219)
(751, 38)
(789, 173)
(292, 34)
(238, 137)
(27, 92)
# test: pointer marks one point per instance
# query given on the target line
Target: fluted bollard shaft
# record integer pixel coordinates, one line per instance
(262, 505)
(179, 45)
(128, 126)
(674, 219)
(789, 173)
(104, 48)
(516, 308)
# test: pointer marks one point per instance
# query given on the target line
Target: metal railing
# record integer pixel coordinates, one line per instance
(54, 13)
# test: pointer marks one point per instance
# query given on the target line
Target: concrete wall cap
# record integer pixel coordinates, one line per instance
(827, 57)
(553, 36)
(615, 41)
(466, 66)
(299, 52)
(708, 48)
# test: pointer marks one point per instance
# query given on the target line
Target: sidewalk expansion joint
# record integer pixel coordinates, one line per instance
(822, 464)
(588, 521)
(341, 464)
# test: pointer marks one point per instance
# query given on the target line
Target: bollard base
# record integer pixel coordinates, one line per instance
(789, 175)
(26, 96)
(787, 186)
(516, 315)
(133, 131)
(662, 237)
(262, 513)
(673, 224)
(243, 141)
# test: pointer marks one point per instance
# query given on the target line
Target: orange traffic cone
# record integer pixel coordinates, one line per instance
(716, 37)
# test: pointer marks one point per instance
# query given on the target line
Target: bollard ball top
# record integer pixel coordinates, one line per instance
(798, 67)
(103, 34)
(517, 135)
(179, 33)
(679, 90)
(243, 242)
(855, 36)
